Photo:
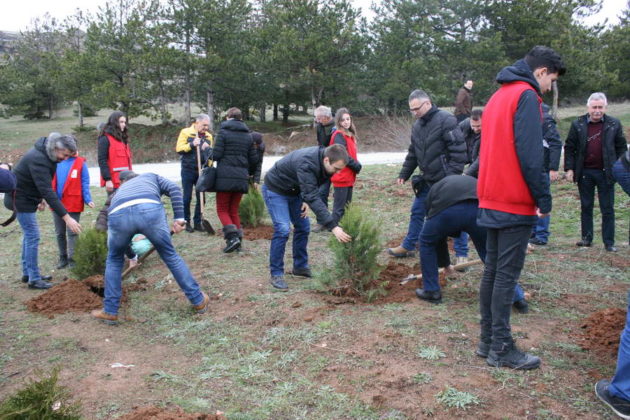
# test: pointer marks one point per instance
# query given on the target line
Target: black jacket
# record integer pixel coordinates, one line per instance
(301, 172)
(472, 140)
(437, 147)
(324, 132)
(449, 191)
(34, 173)
(551, 141)
(613, 143)
(234, 153)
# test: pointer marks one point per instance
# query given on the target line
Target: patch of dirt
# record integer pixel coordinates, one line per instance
(156, 413)
(258, 232)
(601, 331)
(69, 296)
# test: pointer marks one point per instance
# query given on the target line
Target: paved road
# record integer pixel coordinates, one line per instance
(171, 170)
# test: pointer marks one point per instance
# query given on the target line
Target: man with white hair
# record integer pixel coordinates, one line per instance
(34, 173)
(594, 143)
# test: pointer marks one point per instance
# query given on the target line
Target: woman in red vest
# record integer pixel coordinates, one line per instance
(343, 181)
(114, 154)
(72, 185)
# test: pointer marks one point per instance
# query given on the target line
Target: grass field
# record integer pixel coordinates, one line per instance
(260, 354)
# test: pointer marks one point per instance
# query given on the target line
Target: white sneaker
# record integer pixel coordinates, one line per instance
(461, 260)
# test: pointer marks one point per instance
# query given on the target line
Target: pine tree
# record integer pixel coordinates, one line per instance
(252, 208)
(90, 253)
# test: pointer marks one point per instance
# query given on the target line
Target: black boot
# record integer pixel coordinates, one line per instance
(232, 241)
(240, 238)
(63, 262)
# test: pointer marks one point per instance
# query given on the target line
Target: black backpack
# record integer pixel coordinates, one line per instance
(8, 183)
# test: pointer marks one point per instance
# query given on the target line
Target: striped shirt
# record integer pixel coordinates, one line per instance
(149, 186)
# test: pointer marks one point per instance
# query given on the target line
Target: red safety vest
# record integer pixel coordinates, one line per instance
(72, 194)
(118, 159)
(501, 185)
(346, 177)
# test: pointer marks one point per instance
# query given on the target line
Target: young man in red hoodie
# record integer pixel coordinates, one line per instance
(513, 190)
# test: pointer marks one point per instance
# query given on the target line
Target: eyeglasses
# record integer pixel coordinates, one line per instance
(418, 108)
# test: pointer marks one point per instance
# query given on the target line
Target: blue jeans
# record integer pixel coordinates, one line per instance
(620, 385)
(591, 179)
(505, 257)
(189, 180)
(540, 230)
(460, 245)
(30, 246)
(284, 211)
(149, 220)
(460, 217)
(416, 221)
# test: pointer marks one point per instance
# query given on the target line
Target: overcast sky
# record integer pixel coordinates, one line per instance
(17, 15)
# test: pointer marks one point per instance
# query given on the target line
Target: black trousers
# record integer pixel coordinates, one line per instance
(342, 196)
(505, 257)
(591, 179)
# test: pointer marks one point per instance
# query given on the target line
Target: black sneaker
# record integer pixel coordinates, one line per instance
(513, 358)
(610, 248)
(45, 278)
(63, 263)
(279, 283)
(584, 242)
(302, 272)
(521, 306)
(189, 228)
(434, 296)
(536, 241)
(620, 406)
(40, 284)
(483, 349)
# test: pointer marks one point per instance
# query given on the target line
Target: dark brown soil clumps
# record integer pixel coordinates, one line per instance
(69, 296)
(601, 331)
(258, 232)
(156, 413)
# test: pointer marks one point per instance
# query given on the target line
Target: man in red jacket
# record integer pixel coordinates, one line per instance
(513, 189)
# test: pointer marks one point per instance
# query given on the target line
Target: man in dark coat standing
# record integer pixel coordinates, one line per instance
(34, 174)
(325, 126)
(594, 143)
(463, 101)
(513, 189)
(438, 149)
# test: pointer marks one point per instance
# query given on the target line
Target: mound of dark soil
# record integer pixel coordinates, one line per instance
(601, 331)
(156, 413)
(69, 296)
(258, 232)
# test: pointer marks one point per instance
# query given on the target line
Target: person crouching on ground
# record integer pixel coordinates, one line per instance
(343, 181)
(136, 208)
(234, 153)
(291, 186)
(72, 185)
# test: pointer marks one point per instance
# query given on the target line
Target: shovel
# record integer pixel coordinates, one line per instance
(205, 224)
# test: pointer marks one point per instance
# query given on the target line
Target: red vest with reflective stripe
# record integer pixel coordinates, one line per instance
(501, 185)
(72, 194)
(346, 177)
(118, 159)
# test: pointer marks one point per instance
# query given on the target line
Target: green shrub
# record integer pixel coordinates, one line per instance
(451, 397)
(90, 253)
(41, 399)
(252, 208)
(354, 263)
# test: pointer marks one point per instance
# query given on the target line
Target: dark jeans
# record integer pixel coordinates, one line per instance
(591, 179)
(622, 176)
(284, 211)
(66, 239)
(541, 228)
(324, 192)
(505, 257)
(148, 219)
(189, 180)
(456, 219)
(30, 245)
(342, 196)
(416, 221)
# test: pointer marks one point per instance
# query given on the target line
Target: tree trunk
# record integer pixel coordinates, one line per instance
(80, 114)
(554, 109)
(285, 114)
(210, 106)
(262, 111)
(187, 113)
(50, 108)
(275, 112)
